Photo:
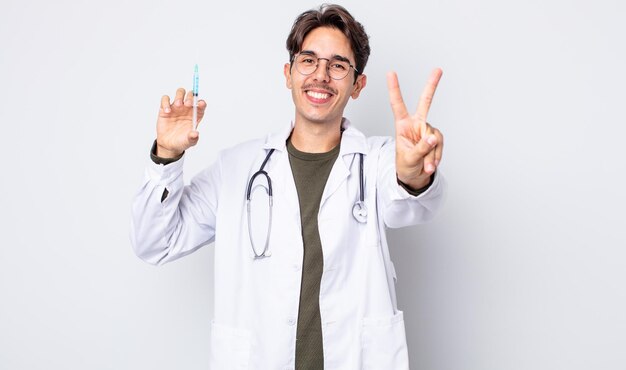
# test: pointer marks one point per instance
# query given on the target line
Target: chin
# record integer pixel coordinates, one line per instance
(319, 119)
(318, 115)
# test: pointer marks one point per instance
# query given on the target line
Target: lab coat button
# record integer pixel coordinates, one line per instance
(291, 321)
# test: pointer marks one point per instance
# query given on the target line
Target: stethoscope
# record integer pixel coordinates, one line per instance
(359, 210)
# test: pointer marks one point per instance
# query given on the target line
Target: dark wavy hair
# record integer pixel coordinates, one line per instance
(334, 16)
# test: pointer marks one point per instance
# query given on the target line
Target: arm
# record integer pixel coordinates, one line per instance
(170, 220)
(162, 231)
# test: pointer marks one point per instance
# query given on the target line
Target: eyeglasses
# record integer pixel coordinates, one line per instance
(337, 68)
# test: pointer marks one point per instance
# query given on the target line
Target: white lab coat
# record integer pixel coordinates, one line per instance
(256, 301)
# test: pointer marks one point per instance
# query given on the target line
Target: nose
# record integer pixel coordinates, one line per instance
(321, 72)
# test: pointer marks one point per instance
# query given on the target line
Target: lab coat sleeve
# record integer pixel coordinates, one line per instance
(399, 208)
(162, 231)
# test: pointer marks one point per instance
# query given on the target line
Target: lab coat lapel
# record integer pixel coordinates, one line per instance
(279, 170)
(283, 182)
(352, 142)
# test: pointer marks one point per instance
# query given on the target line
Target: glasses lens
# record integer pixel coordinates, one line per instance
(338, 69)
(306, 64)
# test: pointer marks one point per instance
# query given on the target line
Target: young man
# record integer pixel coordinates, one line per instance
(315, 288)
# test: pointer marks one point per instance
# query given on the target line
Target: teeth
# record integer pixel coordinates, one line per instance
(317, 95)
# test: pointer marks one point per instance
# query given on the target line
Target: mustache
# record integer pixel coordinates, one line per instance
(328, 89)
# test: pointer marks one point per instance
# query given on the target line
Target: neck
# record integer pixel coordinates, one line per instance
(316, 138)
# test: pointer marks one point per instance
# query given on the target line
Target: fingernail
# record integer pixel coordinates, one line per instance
(431, 140)
(436, 163)
(430, 168)
(167, 110)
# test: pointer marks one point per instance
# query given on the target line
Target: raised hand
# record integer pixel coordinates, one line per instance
(175, 131)
(419, 146)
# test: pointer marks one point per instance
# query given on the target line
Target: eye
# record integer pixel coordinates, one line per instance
(339, 66)
(307, 60)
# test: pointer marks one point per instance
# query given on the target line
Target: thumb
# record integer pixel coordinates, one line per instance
(424, 146)
(193, 137)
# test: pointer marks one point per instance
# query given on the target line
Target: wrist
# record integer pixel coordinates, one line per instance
(166, 153)
(415, 184)
(160, 160)
(416, 191)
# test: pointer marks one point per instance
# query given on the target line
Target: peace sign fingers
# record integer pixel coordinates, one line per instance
(426, 98)
(395, 97)
(419, 146)
(418, 120)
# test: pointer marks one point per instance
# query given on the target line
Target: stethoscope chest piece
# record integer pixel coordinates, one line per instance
(359, 211)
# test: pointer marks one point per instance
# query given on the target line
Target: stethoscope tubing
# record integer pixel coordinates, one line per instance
(261, 172)
(359, 210)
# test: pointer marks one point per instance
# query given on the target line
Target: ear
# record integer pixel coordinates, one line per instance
(359, 85)
(287, 72)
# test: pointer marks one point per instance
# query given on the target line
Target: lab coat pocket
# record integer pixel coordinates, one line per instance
(383, 343)
(230, 347)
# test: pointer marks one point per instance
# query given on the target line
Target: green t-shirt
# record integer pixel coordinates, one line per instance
(310, 172)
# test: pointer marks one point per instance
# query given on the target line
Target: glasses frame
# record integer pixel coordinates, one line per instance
(293, 62)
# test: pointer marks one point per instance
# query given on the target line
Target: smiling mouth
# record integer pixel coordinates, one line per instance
(318, 95)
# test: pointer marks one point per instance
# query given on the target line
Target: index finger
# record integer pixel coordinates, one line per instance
(165, 103)
(427, 95)
(395, 97)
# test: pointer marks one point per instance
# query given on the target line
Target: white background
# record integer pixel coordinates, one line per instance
(524, 268)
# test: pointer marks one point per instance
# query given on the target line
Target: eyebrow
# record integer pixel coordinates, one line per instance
(334, 56)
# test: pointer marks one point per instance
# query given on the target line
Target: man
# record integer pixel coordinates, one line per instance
(317, 289)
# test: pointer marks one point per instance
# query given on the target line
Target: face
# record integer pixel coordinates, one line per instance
(318, 98)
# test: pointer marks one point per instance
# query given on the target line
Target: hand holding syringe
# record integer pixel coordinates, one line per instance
(178, 121)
